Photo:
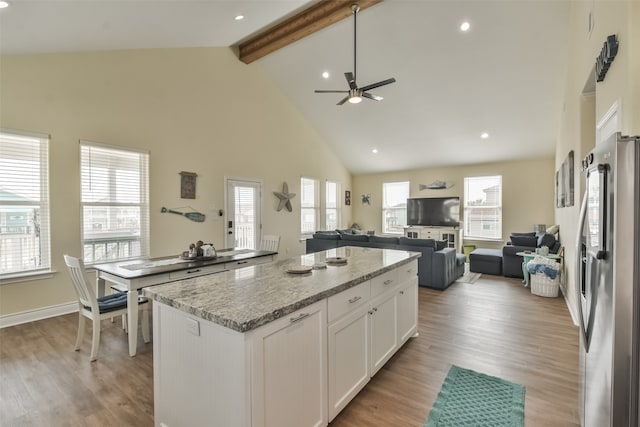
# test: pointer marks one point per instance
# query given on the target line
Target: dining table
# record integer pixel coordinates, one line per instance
(132, 275)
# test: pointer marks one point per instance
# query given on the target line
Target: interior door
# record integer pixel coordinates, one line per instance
(243, 219)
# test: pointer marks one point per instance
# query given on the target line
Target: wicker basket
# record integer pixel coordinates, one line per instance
(543, 286)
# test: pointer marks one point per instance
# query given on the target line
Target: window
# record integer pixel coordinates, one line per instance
(332, 205)
(309, 210)
(483, 207)
(115, 202)
(24, 203)
(394, 207)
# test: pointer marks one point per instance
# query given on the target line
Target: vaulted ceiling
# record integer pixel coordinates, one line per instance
(504, 76)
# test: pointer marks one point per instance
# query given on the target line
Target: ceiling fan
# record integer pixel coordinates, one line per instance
(355, 93)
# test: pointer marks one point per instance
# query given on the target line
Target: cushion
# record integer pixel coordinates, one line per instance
(114, 302)
(385, 240)
(346, 231)
(428, 243)
(529, 241)
(441, 244)
(547, 240)
(553, 229)
(533, 233)
(326, 236)
(355, 237)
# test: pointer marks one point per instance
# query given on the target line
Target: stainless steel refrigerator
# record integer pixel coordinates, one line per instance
(607, 284)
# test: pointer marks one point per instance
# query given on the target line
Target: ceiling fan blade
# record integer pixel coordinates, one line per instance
(331, 91)
(372, 96)
(382, 83)
(343, 100)
(351, 80)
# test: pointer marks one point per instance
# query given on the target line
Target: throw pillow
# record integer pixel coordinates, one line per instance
(529, 241)
(441, 244)
(547, 240)
(553, 229)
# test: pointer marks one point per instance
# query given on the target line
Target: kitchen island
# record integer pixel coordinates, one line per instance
(259, 346)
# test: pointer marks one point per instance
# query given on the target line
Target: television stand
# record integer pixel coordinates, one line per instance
(453, 235)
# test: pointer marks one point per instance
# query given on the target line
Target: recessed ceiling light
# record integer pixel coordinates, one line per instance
(239, 17)
(465, 26)
(374, 151)
(4, 4)
(325, 74)
(484, 135)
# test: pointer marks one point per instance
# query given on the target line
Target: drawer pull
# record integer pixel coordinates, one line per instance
(298, 318)
(193, 271)
(241, 262)
(388, 282)
(354, 299)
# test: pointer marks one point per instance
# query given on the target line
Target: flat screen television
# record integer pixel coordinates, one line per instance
(434, 211)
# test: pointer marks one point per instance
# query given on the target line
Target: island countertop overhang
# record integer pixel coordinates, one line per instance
(250, 297)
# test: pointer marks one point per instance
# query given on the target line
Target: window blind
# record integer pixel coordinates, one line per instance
(308, 205)
(115, 202)
(483, 207)
(332, 207)
(24, 203)
(394, 206)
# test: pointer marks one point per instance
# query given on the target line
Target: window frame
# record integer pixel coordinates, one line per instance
(386, 208)
(338, 206)
(314, 207)
(142, 204)
(43, 204)
(498, 207)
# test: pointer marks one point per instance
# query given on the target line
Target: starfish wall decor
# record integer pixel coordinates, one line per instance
(285, 198)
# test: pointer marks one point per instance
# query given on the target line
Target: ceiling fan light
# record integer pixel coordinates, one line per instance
(355, 99)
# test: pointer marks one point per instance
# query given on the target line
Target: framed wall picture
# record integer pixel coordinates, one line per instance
(347, 197)
(188, 185)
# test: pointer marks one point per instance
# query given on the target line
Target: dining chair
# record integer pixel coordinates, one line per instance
(270, 243)
(101, 308)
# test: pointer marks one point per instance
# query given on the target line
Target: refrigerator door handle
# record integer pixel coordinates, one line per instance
(581, 271)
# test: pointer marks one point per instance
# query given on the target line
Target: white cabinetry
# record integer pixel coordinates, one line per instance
(362, 338)
(288, 375)
(300, 370)
(348, 341)
(407, 300)
(384, 330)
(453, 235)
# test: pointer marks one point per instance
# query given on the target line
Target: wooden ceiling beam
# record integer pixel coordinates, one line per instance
(310, 20)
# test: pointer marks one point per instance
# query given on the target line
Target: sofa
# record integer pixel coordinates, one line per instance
(520, 242)
(438, 267)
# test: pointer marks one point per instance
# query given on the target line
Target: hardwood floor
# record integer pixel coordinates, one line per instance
(494, 326)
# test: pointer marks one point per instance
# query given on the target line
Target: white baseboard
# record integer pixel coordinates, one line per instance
(38, 314)
(574, 317)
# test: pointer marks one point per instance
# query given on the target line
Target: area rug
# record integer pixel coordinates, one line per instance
(469, 398)
(468, 276)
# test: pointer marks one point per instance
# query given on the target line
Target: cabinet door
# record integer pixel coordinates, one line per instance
(407, 310)
(289, 375)
(384, 330)
(348, 340)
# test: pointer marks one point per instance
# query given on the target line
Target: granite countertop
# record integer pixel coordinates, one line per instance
(148, 267)
(249, 297)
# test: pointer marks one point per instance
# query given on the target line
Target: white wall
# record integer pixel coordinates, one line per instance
(581, 114)
(527, 193)
(197, 110)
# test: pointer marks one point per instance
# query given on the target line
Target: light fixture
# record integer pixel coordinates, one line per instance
(484, 135)
(355, 96)
(4, 4)
(374, 151)
(239, 17)
(325, 74)
(465, 26)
